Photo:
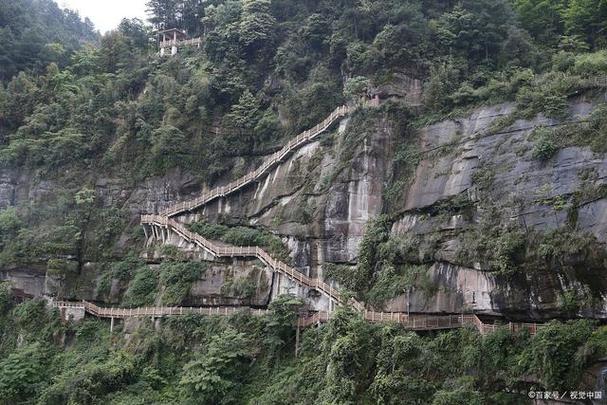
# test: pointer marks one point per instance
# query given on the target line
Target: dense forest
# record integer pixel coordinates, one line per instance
(77, 107)
(37, 33)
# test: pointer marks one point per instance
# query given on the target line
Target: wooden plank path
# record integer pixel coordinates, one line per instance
(123, 313)
(261, 171)
(165, 220)
(223, 250)
(410, 322)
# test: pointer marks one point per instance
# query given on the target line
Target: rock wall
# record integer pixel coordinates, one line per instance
(321, 198)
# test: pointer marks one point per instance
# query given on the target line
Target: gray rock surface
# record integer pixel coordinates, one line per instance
(320, 208)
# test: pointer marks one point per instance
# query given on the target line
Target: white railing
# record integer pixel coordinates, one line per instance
(221, 250)
(271, 161)
(411, 322)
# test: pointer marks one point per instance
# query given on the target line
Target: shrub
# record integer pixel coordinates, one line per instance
(356, 87)
(393, 281)
(551, 353)
(216, 375)
(544, 148)
(243, 236)
(547, 94)
(177, 279)
(22, 373)
(590, 64)
(142, 289)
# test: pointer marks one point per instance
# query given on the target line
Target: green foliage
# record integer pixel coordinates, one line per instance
(551, 354)
(394, 281)
(122, 271)
(475, 29)
(195, 359)
(10, 224)
(243, 236)
(215, 376)
(39, 32)
(78, 116)
(95, 379)
(591, 133)
(142, 289)
(497, 247)
(61, 268)
(461, 391)
(23, 373)
(5, 298)
(241, 287)
(590, 64)
(279, 331)
(356, 88)
(177, 279)
(509, 248)
(544, 147)
(377, 231)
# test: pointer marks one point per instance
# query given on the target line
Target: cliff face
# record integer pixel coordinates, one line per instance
(320, 200)
(455, 157)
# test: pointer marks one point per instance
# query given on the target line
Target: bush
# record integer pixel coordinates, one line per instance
(547, 94)
(216, 375)
(176, 278)
(544, 147)
(551, 354)
(590, 64)
(356, 88)
(395, 279)
(142, 289)
(22, 373)
(243, 236)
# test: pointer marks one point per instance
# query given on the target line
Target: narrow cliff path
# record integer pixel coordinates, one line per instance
(166, 222)
(410, 322)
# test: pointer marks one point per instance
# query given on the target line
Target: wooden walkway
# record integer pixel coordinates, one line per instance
(164, 220)
(155, 312)
(223, 250)
(256, 175)
(409, 322)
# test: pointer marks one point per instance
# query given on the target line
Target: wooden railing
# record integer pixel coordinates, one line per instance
(178, 43)
(103, 312)
(410, 322)
(255, 175)
(222, 250)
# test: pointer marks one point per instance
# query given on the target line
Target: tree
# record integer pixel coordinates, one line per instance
(216, 375)
(587, 18)
(164, 13)
(280, 327)
(356, 88)
(10, 223)
(243, 119)
(115, 52)
(256, 26)
(542, 18)
(475, 29)
(135, 32)
(22, 373)
(36, 32)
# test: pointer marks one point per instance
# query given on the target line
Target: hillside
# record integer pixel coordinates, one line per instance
(36, 33)
(425, 159)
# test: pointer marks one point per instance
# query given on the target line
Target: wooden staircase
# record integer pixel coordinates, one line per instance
(223, 250)
(261, 171)
(165, 218)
